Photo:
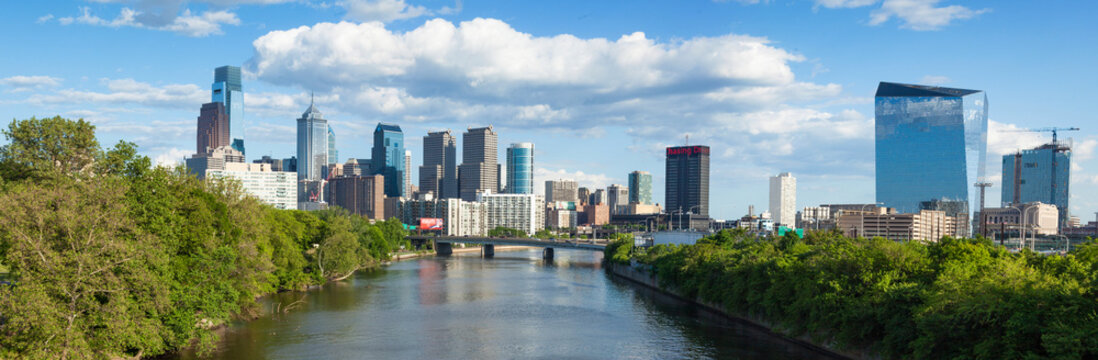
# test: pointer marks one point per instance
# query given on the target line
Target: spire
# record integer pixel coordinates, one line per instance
(312, 108)
(312, 98)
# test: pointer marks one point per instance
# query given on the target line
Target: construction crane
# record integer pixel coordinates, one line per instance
(1053, 130)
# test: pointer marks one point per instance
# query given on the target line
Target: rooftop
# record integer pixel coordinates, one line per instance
(887, 89)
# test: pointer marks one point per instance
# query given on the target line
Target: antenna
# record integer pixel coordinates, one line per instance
(312, 98)
(687, 140)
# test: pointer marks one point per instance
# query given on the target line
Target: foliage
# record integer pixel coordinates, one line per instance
(620, 248)
(507, 232)
(112, 258)
(957, 298)
(544, 234)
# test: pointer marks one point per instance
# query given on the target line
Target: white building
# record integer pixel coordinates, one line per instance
(783, 199)
(524, 212)
(277, 188)
(1040, 218)
(466, 218)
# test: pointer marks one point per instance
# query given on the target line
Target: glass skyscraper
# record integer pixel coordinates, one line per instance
(931, 147)
(520, 168)
(312, 145)
(229, 90)
(388, 157)
(640, 187)
(1041, 174)
(333, 154)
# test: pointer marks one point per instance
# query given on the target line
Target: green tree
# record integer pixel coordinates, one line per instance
(45, 148)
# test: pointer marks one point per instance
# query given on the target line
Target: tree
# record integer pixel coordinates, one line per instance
(44, 148)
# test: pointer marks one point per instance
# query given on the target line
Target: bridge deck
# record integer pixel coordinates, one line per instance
(584, 244)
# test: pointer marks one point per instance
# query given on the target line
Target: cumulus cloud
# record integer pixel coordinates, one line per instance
(1084, 150)
(591, 181)
(171, 158)
(382, 10)
(20, 83)
(130, 91)
(186, 23)
(921, 14)
(1009, 138)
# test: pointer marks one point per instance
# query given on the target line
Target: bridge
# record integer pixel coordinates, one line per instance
(444, 244)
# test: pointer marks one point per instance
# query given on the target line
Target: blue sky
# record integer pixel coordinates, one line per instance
(601, 87)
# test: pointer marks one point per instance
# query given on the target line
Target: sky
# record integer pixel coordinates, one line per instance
(600, 87)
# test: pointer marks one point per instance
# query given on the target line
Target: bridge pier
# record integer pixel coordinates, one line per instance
(444, 248)
(547, 253)
(488, 251)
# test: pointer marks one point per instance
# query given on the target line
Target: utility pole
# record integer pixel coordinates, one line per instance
(983, 185)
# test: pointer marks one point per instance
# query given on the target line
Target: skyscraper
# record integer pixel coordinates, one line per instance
(783, 199)
(478, 162)
(333, 154)
(931, 146)
(439, 171)
(561, 190)
(640, 187)
(408, 173)
(617, 196)
(229, 90)
(687, 187)
(1040, 174)
(388, 157)
(312, 145)
(520, 168)
(213, 127)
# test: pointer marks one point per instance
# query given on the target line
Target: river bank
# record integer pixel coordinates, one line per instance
(639, 275)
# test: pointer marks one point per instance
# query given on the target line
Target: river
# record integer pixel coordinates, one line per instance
(515, 305)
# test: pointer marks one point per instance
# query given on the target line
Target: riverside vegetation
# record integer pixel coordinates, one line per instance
(953, 299)
(111, 257)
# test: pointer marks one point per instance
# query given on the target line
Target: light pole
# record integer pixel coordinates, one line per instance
(862, 230)
(1025, 224)
(690, 215)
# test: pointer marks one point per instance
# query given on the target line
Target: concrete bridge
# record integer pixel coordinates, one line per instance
(443, 244)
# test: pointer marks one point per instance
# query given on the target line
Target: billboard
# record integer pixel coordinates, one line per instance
(430, 224)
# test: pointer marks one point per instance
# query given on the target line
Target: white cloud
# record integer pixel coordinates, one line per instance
(21, 83)
(382, 10)
(591, 181)
(185, 23)
(834, 4)
(921, 14)
(129, 91)
(1009, 138)
(44, 18)
(935, 80)
(171, 158)
(1084, 150)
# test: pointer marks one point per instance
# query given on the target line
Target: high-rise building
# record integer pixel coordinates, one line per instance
(312, 145)
(438, 174)
(276, 188)
(525, 212)
(520, 168)
(333, 154)
(583, 196)
(783, 199)
(229, 91)
(931, 147)
(617, 197)
(363, 195)
(640, 187)
(479, 166)
(687, 187)
(1041, 174)
(213, 127)
(388, 157)
(276, 164)
(560, 190)
(598, 198)
(408, 173)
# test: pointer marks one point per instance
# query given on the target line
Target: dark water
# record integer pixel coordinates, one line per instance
(513, 306)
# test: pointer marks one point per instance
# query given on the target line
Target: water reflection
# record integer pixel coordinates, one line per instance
(516, 305)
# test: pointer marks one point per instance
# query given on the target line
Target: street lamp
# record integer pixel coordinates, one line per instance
(690, 215)
(1025, 223)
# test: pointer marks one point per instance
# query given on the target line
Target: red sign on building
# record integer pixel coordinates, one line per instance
(430, 224)
(687, 150)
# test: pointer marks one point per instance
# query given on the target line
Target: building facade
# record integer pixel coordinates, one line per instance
(408, 173)
(1041, 174)
(687, 187)
(333, 153)
(561, 190)
(213, 127)
(479, 166)
(520, 168)
(259, 180)
(1040, 219)
(363, 195)
(931, 144)
(438, 174)
(926, 225)
(312, 145)
(640, 187)
(617, 197)
(598, 214)
(524, 212)
(228, 89)
(388, 158)
(783, 199)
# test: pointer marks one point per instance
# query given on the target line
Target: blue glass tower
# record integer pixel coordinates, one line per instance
(1041, 174)
(229, 90)
(931, 146)
(333, 153)
(388, 157)
(520, 168)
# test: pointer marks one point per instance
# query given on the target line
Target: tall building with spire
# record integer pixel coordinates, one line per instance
(312, 144)
(479, 165)
(228, 90)
(439, 171)
(388, 157)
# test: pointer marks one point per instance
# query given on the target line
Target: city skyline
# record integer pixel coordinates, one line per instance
(807, 112)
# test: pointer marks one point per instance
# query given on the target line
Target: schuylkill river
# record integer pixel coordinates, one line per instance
(515, 305)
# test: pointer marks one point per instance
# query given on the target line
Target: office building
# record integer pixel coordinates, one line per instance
(640, 187)
(583, 196)
(815, 218)
(276, 164)
(925, 225)
(459, 218)
(687, 187)
(561, 219)
(931, 144)
(479, 167)
(1040, 174)
(408, 173)
(290, 164)
(388, 158)
(333, 154)
(438, 174)
(595, 214)
(520, 168)
(213, 127)
(1040, 219)
(640, 209)
(561, 190)
(276, 188)
(617, 197)
(351, 168)
(362, 195)
(228, 90)
(312, 145)
(598, 197)
(783, 199)
(524, 212)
